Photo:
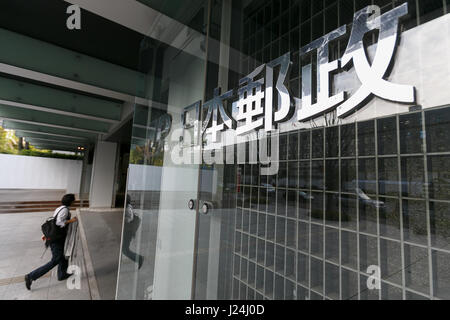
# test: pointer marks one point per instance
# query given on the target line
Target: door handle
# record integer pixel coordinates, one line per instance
(207, 206)
(191, 204)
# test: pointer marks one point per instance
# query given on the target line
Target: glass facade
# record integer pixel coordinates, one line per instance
(348, 212)
(359, 204)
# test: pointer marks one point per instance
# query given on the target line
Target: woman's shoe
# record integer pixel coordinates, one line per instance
(28, 282)
(66, 276)
(141, 261)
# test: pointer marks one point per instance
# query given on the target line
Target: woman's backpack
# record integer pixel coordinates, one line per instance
(51, 231)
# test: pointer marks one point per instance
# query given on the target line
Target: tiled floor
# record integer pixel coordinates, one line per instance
(21, 249)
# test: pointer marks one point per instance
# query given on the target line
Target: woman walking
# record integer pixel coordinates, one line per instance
(62, 218)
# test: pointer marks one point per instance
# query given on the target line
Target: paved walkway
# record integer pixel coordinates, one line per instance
(103, 231)
(21, 249)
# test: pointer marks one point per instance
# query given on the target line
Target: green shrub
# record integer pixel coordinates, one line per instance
(9, 146)
(49, 154)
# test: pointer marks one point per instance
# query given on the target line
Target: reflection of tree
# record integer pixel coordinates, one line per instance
(147, 154)
(8, 142)
(136, 156)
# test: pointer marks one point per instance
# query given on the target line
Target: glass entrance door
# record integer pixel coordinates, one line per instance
(158, 240)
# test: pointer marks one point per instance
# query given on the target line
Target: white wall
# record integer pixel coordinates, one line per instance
(22, 172)
(103, 172)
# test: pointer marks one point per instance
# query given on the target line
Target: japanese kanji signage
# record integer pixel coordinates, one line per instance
(256, 109)
(263, 103)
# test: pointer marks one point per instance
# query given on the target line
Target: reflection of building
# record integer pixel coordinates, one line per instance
(363, 188)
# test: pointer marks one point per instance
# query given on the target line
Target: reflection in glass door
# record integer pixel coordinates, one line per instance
(158, 232)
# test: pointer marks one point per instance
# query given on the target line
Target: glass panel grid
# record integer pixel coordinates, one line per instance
(305, 247)
(400, 210)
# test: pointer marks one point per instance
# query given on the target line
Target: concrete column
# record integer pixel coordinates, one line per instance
(86, 175)
(103, 170)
